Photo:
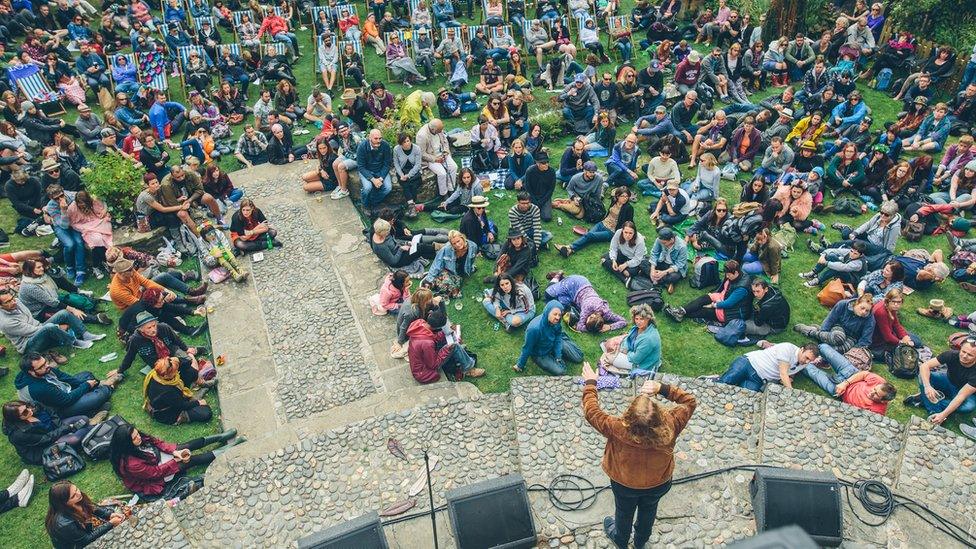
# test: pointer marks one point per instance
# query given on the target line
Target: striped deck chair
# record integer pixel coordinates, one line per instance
(198, 23)
(130, 58)
(547, 23)
(335, 13)
(238, 18)
(314, 14)
(235, 49)
(31, 83)
(484, 11)
(357, 46)
(405, 38)
(279, 48)
(580, 19)
(616, 24)
(152, 70)
(415, 5)
(184, 56)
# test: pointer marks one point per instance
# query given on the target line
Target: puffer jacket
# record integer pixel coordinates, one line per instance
(424, 356)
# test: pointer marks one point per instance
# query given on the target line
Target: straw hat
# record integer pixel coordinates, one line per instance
(936, 310)
(478, 202)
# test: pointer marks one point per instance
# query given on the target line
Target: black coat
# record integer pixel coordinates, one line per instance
(32, 439)
(772, 310)
(69, 533)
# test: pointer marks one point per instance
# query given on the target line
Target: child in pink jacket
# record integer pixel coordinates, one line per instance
(394, 291)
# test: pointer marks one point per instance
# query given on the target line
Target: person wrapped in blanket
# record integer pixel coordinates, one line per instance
(221, 251)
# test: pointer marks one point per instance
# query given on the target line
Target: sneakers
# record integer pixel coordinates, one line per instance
(98, 418)
(81, 344)
(713, 378)
(18, 484)
(58, 358)
(339, 193)
(103, 319)
(676, 313)
(813, 283)
(24, 496)
(953, 241)
(840, 226)
(968, 430)
(30, 230)
(98, 273)
(79, 279)
(88, 336)
(808, 275)
(764, 344)
(475, 372)
(913, 400)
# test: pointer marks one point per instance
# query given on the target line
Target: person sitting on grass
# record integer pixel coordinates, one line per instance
(451, 265)
(29, 335)
(847, 264)
(595, 315)
(627, 256)
(153, 340)
(153, 301)
(671, 207)
(73, 520)
(850, 324)
(39, 381)
(128, 284)
(638, 350)
(32, 429)
(510, 302)
(39, 293)
(546, 344)
(770, 311)
(517, 257)
(862, 389)
(730, 300)
(777, 363)
(151, 468)
(943, 392)
(167, 396)
(583, 188)
(18, 494)
(429, 352)
(669, 259)
(620, 212)
(888, 330)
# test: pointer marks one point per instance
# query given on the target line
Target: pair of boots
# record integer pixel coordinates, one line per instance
(226, 439)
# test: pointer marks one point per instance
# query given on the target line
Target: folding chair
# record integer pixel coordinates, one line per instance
(184, 57)
(528, 24)
(313, 13)
(130, 58)
(357, 46)
(484, 11)
(405, 39)
(198, 23)
(615, 24)
(31, 83)
(472, 31)
(152, 70)
(580, 20)
(335, 13)
(238, 19)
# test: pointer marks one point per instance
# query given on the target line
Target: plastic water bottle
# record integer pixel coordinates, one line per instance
(270, 242)
(559, 220)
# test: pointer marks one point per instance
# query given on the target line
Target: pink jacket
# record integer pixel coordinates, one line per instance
(390, 297)
(95, 229)
(800, 208)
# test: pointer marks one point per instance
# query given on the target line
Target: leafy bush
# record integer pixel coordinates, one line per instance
(116, 181)
(551, 122)
(951, 22)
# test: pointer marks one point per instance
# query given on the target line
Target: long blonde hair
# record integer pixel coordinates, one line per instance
(646, 421)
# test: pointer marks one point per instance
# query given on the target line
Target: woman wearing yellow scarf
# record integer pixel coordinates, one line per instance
(167, 398)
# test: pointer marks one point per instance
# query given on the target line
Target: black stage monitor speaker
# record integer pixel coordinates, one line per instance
(809, 499)
(492, 513)
(787, 537)
(365, 532)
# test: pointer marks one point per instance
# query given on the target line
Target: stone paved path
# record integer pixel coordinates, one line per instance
(310, 382)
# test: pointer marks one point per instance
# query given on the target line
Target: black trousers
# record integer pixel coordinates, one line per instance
(696, 308)
(627, 502)
(8, 501)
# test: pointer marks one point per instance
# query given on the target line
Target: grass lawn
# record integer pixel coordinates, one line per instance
(688, 349)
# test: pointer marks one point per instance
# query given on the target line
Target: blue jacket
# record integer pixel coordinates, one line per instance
(936, 131)
(442, 11)
(374, 162)
(159, 118)
(129, 116)
(516, 169)
(644, 350)
(677, 255)
(446, 260)
(623, 159)
(664, 127)
(85, 62)
(860, 111)
(44, 391)
(543, 338)
(857, 328)
(565, 290)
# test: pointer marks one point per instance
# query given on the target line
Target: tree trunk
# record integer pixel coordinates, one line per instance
(784, 18)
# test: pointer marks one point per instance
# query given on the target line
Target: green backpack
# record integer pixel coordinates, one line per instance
(785, 236)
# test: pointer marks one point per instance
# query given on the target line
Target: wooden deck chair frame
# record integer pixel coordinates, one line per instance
(547, 23)
(313, 14)
(279, 47)
(491, 31)
(183, 56)
(357, 46)
(406, 38)
(334, 14)
(34, 85)
(198, 23)
(413, 5)
(237, 17)
(159, 82)
(614, 24)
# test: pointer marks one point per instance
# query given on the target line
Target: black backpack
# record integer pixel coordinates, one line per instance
(61, 461)
(903, 361)
(593, 209)
(96, 443)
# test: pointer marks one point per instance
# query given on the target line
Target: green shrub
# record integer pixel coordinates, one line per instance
(551, 122)
(116, 181)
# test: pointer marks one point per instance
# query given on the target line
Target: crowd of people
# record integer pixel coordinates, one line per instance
(674, 85)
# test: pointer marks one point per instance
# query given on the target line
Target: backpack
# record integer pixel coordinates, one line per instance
(651, 296)
(730, 334)
(785, 236)
(61, 461)
(740, 229)
(704, 273)
(593, 209)
(903, 361)
(834, 291)
(96, 443)
(744, 209)
(913, 231)
(849, 206)
(884, 80)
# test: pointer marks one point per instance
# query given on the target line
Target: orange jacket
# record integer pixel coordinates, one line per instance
(634, 463)
(126, 294)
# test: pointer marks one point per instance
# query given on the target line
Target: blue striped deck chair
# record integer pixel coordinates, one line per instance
(580, 19)
(152, 70)
(357, 46)
(335, 13)
(279, 48)
(405, 39)
(198, 23)
(528, 23)
(235, 49)
(484, 11)
(130, 58)
(314, 14)
(415, 5)
(238, 18)
(615, 25)
(31, 83)
(184, 57)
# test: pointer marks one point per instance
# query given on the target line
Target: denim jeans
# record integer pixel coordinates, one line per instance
(371, 195)
(51, 335)
(597, 233)
(702, 194)
(523, 318)
(627, 502)
(90, 402)
(842, 367)
(626, 50)
(172, 282)
(584, 115)
(742, 374)
(617, 177)
(940, 382)
(289, 39)
(944, 198)
(73, 247)
(556, 366)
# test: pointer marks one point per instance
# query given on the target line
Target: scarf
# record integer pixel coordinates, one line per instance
(162, 351)
(177, 382)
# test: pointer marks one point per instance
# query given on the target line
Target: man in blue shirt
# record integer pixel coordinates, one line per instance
(166, 117)
(375, 159)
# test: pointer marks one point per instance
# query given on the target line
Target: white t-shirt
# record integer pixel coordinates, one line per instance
(766, 362)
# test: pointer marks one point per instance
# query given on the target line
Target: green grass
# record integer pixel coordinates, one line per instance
(688, 349)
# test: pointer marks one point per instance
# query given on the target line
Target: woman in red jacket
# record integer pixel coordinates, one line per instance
(888, 331)
(148, 466)
(428, 353)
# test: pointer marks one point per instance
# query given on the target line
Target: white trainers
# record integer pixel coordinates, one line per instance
(81, 344)
(90, 336)
(339, 193)
(18, 484)
(24, 496)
